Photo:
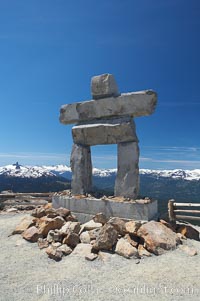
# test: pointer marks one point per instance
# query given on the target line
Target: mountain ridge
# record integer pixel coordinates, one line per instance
(28, 171)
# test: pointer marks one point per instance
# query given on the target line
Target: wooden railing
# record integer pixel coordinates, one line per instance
(174, 210)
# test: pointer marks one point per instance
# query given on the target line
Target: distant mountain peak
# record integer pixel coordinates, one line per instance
(17, 170)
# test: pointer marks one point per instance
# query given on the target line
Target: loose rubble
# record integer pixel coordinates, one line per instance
(58, 232)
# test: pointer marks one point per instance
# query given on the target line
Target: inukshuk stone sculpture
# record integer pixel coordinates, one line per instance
(107, 119)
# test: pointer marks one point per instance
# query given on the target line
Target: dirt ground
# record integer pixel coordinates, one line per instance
(26, 273)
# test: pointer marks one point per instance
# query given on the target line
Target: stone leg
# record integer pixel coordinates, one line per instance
(81, 166)
(127, 180)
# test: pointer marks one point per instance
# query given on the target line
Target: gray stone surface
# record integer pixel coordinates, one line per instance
(103, 85)
(127, 180)
(81, 166)
(133, 104)
(107, 119)
(105, 132)
(84, 208)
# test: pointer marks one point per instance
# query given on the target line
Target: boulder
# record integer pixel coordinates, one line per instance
(42, 243)
(85, 237)
(51, 212)
(66, 250)
(38, 212)
(54, 236)
(191, 251)
(70, 227)
(46, 224)
(100, 218)
(74, 227)
(157, 237)
(65, 229)
(90, 225)
(72, 239)
(132, 227)
(168, 225)
(125, 249)
(188, 231)
(24, 224)
(118, 224)
(31, 234)
(54, 253)
(82, 250)
(63, 212)
(106, 239)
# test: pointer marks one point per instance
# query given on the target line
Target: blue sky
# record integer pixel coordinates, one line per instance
(50, 50)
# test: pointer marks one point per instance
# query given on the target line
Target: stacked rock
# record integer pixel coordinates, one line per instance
(107, 119)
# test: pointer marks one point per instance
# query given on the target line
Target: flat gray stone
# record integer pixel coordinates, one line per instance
(82, 250)
(103, 85)
(111, 131)
(125, 249)
(81, 166)
(127, 180)
(134, 104)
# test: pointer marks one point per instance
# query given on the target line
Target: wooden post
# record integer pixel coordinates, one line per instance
(172, 217)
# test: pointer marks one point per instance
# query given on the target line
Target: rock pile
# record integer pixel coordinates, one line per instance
(60, 234)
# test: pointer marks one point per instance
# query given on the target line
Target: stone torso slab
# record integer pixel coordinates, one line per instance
(128, 104)
(111, 131)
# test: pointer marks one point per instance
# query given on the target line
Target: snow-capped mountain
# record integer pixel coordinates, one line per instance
(188, 175)
(17, 170)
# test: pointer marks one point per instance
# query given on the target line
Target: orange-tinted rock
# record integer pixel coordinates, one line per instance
(64, 212)
(66, 250)
(125, 249)
(38, 212)
(157, 237)
(48, 224)
(51, 212)
(132, 227)
(24, 224)
(31, 234)
(48, 205)
(54, 253)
